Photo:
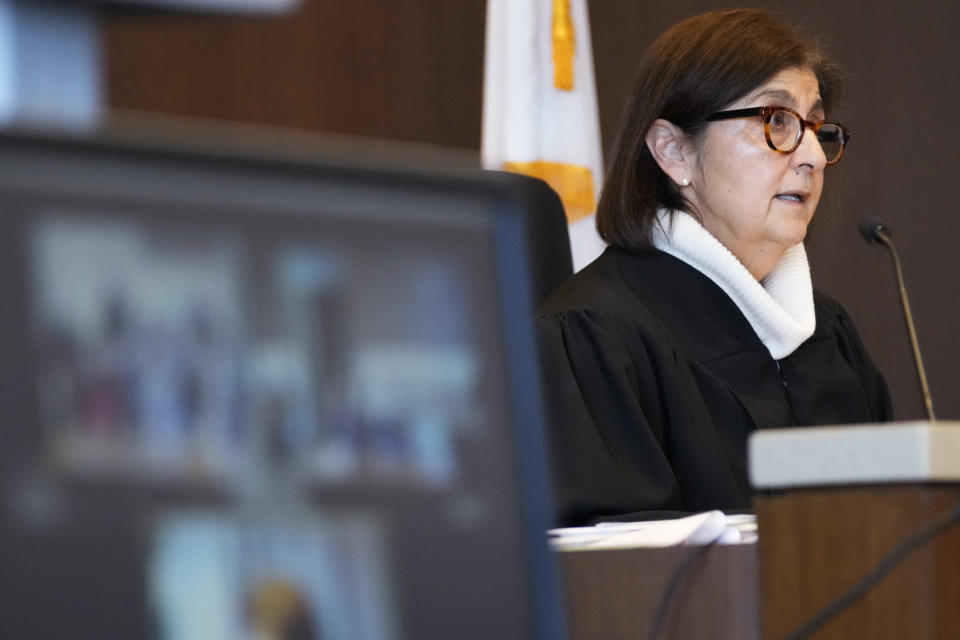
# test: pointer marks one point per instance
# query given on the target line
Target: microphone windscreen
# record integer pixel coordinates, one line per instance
(871, 228)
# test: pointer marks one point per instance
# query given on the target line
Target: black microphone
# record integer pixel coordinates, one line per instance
(876, 231)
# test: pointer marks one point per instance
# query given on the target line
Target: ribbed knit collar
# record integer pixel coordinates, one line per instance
(779, 308)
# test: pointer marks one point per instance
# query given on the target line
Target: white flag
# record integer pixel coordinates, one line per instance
(540, 106)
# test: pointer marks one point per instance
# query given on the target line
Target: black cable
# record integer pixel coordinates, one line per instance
(887, 564)
(660, 613)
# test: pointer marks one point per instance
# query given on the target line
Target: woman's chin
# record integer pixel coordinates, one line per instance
(791, 229)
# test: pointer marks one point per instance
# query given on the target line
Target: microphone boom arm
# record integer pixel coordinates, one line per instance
(881, 236)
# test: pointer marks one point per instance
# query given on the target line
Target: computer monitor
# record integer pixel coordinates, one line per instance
(248, 396)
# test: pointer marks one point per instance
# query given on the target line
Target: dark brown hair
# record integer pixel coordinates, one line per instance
(695, 68)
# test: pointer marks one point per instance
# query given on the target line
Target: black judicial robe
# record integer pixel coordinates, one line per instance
(654, 379)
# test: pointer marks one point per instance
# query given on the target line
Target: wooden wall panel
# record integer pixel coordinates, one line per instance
(408, 70)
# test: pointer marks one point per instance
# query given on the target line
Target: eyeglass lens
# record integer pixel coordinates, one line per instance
(785, 128)
(831, 139)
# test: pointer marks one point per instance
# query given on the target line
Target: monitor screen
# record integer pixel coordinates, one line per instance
(250, 398)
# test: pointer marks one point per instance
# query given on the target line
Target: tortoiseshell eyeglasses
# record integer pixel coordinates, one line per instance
(784, 127)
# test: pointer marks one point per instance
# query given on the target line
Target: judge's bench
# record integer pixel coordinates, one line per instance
(856, 540)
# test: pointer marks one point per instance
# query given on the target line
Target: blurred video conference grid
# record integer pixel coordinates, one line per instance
(254, 398)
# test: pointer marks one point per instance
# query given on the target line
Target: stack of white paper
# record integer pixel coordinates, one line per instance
(710, 527)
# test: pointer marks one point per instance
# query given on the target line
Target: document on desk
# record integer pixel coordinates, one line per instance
(709, 527)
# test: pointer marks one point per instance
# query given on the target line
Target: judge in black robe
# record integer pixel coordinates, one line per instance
(655, 379)
(700, 323)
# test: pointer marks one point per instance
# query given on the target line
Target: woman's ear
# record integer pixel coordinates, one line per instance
(672, 150)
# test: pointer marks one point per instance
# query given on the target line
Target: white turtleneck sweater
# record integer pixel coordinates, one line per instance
(779, 308)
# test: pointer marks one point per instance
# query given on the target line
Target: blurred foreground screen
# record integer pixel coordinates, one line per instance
(263, 399)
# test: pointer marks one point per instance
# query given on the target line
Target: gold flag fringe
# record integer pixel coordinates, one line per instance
(564, 45)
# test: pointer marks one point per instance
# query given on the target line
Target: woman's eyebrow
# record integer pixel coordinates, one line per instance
(785, 98)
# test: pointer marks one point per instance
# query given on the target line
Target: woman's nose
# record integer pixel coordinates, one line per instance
(809, 153)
